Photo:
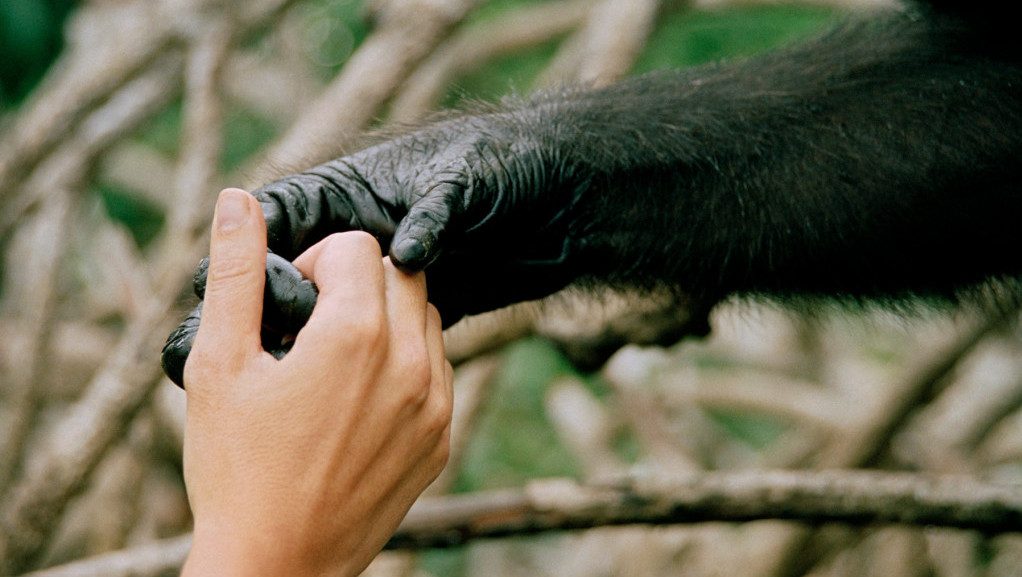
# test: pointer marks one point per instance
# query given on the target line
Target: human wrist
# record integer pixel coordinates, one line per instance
(221, 552)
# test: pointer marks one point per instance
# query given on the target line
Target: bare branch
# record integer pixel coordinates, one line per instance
(90, 71)
(528, 26)
(852, 497)
(922, 382)
(605, 49)
(38, 290)
(197, 171)
(158, 559)
(136, 101)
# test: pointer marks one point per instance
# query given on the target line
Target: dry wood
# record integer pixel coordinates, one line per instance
(852, 497)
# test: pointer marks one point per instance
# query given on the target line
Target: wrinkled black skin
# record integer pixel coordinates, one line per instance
(292, 297)
(880, 161)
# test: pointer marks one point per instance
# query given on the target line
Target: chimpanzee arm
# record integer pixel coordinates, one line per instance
(878, 161)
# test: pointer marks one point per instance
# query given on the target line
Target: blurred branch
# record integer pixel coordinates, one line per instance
(201, 147)
(157, 559)
(407, 31)
(607, 46)
(871, 439)
(943, 435)
(528, 26)
(33, 296)
(136, 101)
(90, 70)
(62, 466)
(852, 497)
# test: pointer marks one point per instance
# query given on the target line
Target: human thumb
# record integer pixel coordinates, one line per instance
(232, 313)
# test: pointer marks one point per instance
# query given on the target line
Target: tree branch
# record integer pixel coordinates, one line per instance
(407, 33)
(852, 497)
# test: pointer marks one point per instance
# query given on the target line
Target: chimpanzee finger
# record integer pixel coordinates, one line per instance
(288, 301)
(289, 297)
(420, 236)
(287, 304)
(178, 345)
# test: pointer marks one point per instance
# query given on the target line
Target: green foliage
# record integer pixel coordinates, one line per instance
(683, 38)
(691, 37)
(514, 441)
(30, 38)
(244, 134)
(143, 220)
(755, 430)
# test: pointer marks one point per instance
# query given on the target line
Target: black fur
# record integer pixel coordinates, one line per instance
(881, 160)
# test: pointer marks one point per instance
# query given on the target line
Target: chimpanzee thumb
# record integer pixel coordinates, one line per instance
(421, 234)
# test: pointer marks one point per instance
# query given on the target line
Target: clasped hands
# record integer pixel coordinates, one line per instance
(306, 464)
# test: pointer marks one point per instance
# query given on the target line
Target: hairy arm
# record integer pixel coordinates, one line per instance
(876, 162)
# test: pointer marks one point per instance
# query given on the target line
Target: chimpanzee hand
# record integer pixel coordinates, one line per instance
(483, 203)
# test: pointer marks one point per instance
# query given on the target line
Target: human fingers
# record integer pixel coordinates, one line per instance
(406, 303)
(348, 270)
(443, 372)
(232, 310)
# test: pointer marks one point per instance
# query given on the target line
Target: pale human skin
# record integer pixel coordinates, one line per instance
(306, 465)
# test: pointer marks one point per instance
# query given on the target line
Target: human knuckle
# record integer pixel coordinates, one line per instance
(359, 240)
(200, 365)
(414, 363)
(366, 328)
(441, 454)
(438, 414)
(227, 269)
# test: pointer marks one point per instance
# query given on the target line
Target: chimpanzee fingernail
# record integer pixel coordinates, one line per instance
(409, 251)
(231, 209)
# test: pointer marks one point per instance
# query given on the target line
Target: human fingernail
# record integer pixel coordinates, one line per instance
(231, 209)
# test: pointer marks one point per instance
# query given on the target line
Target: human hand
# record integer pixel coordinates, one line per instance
(306, 465)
